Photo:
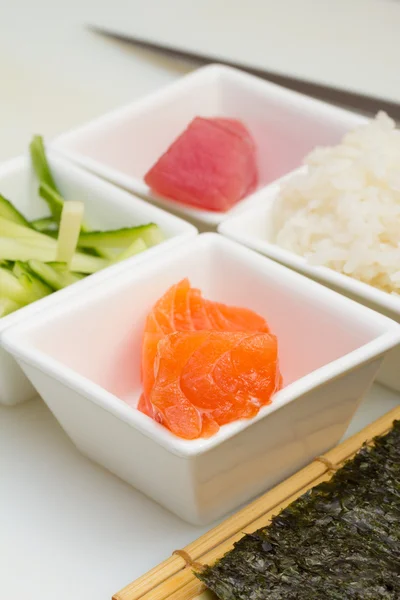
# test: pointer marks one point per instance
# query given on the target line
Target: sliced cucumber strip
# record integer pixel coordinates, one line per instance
(40, 164)
(53, 199)
(83, 263)
(25, 234)
(45, 225)
(152, 235)
(9, 212)
(64, 269)
(85, 228)
(106, 253)
(7, 306)
(60, 267)
(34, 287)
(70, 226)
(121, 238)
(21, 268)
(11, 287)
(56, 279)
(51, 233)
(11, 249)
(135, 248)
(6, 264)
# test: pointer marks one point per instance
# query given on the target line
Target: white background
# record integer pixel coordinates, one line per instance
(349, 44)
(68, 529)
(55, 74)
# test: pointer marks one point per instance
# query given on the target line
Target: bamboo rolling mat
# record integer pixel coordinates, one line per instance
(174, 578)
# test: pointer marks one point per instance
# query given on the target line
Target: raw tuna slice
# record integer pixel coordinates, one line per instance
(211, 165)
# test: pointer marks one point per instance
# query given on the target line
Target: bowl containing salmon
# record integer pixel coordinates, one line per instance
(204, 376)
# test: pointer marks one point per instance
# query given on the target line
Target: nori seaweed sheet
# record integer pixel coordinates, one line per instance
(340, 540)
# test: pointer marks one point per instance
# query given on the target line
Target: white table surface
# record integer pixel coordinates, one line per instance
(321, 41)
(68, 529)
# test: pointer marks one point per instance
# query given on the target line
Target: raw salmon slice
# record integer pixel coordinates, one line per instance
(232, 318)
(200, 387)
(172, 311)
(177, 413)
(205, 363)
(232, 375)
(206, 379)
(198, 311)
(182, 308)
(250, 369)
(149, 354)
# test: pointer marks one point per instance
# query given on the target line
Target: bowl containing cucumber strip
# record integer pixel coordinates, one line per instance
(59, 225)
(41, 256)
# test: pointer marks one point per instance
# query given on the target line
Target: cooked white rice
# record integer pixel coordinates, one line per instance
(344, 212)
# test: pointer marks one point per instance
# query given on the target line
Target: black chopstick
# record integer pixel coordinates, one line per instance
(352, 100)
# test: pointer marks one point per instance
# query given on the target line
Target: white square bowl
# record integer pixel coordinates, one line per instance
(253, 229)
(106, 207)
(123, 145)
(83, 357)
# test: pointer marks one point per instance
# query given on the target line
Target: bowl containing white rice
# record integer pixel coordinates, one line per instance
(337, 220)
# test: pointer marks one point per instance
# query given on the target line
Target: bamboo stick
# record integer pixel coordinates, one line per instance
(216, 536)
(184, 585)
(173, 580)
